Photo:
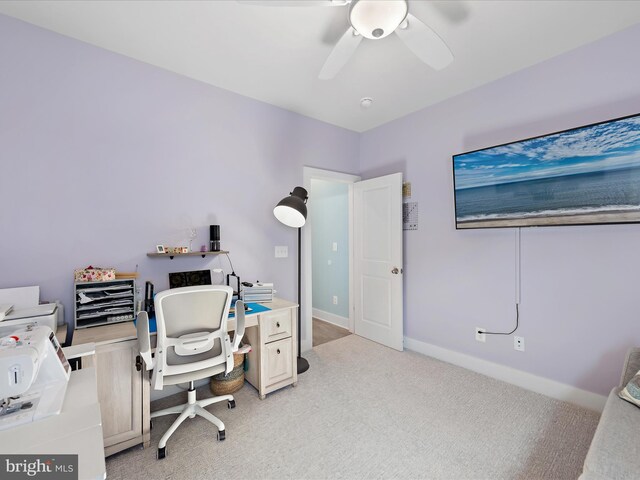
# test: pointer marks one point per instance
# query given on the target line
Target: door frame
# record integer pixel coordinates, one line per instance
(308, 174)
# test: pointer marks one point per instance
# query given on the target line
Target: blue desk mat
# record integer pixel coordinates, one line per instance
(254, 308)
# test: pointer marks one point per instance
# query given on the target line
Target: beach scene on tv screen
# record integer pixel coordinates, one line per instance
(587, 175)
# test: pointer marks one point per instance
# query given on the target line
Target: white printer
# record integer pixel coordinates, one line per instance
(21, 306)
(45, 315)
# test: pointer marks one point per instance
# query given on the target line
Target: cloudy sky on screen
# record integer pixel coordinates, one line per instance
(606, 146)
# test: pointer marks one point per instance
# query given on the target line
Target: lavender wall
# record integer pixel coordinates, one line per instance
(579, 308)
(104, 157)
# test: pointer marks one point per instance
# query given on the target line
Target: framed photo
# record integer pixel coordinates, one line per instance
(160, 249)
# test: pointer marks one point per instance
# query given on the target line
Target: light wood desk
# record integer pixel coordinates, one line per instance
(123, 382)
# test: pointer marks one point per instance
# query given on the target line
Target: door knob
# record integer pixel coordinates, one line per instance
(396, 270)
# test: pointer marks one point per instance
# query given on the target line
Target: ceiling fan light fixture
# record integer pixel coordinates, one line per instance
(375, 19)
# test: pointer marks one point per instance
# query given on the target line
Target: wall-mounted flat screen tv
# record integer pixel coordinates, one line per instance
(582, 176)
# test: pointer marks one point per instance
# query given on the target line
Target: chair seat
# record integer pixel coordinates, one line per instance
(192, 376)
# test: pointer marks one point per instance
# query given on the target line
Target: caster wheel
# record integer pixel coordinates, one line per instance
(162, 452)
(231, 404)
(221, 435)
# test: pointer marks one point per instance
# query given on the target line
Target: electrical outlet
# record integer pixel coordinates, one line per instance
(518, 343)
(480, 336)
(335, 299)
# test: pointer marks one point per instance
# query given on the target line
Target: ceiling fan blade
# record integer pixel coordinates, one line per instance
(340, 54)
(425, 43)
(295, 3)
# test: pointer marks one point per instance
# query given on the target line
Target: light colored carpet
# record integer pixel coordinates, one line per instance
(365, 411)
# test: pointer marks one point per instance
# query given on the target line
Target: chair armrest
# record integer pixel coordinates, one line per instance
(78, 351)
(144, 339)
(240, 322)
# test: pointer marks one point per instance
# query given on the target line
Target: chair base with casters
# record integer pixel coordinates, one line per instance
(190, 409)
(192, 344)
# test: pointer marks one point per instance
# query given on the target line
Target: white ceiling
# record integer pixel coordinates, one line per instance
(274, 54)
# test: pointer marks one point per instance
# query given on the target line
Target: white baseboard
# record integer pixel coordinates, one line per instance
(336, 320)
(525, 380)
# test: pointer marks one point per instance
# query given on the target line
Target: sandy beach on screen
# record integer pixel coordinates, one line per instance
(624, 216)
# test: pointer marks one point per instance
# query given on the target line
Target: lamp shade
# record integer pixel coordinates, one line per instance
(375, 19)
(292, 210)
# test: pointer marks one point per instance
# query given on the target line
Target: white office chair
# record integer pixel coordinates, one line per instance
(192, 343)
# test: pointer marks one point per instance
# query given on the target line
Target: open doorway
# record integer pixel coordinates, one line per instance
(327, 264)
(375, 267)
(329, 260)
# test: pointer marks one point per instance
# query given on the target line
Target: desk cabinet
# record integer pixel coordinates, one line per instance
(272, 360)
(123, 390)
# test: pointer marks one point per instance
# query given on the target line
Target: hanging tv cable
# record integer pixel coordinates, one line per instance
(517, 281)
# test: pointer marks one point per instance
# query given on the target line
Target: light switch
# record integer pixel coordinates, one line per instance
(334, 247)
(282, 251)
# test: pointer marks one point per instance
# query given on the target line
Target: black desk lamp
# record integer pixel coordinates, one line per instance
(292, 211)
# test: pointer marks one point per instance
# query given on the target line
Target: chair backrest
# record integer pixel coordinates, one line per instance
(192, 339)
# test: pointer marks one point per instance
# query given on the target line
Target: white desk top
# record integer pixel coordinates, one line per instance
(120, 332)
(76, 430)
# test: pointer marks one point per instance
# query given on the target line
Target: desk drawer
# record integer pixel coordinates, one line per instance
(279, 361)
(276, 325)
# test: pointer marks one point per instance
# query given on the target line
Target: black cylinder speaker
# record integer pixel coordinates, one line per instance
(214, 238)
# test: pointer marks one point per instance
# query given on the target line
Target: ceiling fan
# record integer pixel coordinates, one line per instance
(373, 20)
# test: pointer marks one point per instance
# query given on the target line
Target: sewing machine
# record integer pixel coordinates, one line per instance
(33, 376)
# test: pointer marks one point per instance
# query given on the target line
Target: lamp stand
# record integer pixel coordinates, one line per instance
(303, 365)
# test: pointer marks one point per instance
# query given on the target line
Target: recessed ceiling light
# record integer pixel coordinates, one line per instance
(366, 102)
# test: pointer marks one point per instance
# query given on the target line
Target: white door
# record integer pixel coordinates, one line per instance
(378, 260)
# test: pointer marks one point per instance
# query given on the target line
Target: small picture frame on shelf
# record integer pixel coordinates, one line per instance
(160, 249)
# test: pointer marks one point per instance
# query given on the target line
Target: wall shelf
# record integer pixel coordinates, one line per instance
(190, 254)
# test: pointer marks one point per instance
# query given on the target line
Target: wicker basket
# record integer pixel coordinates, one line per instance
(222, 384)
